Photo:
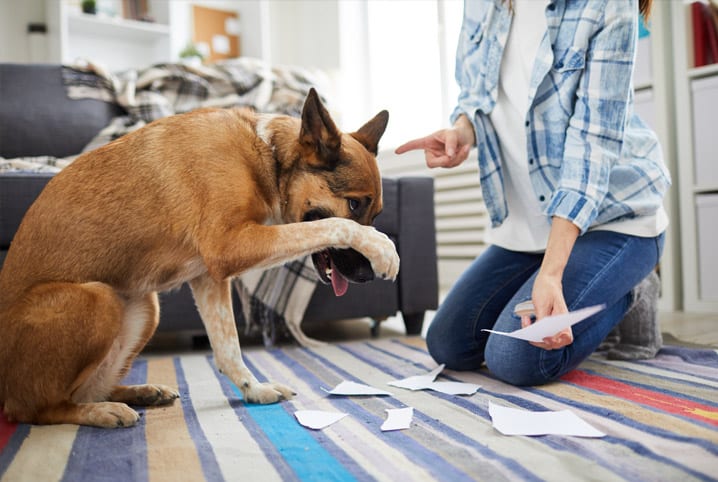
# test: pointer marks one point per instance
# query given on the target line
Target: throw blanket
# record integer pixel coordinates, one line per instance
(660, 417)
(274, 301)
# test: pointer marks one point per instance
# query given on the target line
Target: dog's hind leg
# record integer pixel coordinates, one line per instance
(140, 323)
(214, 302)
(60, 336)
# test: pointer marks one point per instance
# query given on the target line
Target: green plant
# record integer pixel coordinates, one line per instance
(89, 6)
(191, 51)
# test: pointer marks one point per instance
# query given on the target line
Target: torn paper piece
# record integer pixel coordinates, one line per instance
(512, 421)
(426, 382)
(454, 388)
(397, 419)
(418, 382)
(353, 388)
(550, 325)
(318, 419)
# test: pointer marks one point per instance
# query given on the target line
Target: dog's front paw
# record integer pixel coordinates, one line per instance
(264, 393)
(381, 252)
(144, 395)
(110, 415)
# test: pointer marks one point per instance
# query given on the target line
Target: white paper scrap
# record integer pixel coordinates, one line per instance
(454, 388)
(318, 419)
(513, 421)
(426, 382)
(353, 388)
(550, 325)
(397, 419)
(418, 382)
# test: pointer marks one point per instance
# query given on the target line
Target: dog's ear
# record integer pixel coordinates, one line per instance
(371, 132)
(319, 131)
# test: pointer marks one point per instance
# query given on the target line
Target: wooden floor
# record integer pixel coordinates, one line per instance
(700, 328)
(688, 328)
(697, 328)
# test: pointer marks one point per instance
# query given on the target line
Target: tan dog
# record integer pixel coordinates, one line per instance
(198, 198)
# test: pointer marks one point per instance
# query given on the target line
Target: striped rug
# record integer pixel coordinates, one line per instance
(660, 417)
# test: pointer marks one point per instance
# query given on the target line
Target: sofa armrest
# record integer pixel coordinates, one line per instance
(418, 273)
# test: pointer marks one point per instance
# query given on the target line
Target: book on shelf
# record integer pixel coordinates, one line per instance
(704, 23)
(136, 10)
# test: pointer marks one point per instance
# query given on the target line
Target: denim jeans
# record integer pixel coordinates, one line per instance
(603, 268)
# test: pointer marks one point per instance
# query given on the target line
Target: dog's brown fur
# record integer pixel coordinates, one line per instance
(198, 198)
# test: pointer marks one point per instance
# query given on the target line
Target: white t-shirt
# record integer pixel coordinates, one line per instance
(526, 228)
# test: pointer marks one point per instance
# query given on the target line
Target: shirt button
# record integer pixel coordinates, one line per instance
(542, 198)
(531, 162)
(527, 123)
(552, 7)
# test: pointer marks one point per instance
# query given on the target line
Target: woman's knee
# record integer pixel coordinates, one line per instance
(516, 362)
(455, 354)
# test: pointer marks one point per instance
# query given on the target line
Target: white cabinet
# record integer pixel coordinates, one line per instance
(654, 103)
(696, 118)
(114, 42)
(707, 230)
(704, 103)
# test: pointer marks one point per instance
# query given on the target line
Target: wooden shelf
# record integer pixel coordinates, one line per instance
(113, 42)
(132, 30)
(705, 189)
(704, 71)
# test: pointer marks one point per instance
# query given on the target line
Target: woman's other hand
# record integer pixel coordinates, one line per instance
(444, 148)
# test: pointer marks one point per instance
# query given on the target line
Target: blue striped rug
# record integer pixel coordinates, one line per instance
(660, 417)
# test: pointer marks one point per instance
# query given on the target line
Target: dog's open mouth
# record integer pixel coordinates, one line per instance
(329, 273)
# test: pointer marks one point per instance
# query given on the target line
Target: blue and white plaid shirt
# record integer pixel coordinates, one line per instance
(591, 160)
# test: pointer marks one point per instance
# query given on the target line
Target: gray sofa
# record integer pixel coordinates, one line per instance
(37, 118)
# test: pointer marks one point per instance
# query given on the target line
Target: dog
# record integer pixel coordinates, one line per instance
(200, 198)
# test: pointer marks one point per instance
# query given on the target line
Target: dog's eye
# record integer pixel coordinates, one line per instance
(353, 205)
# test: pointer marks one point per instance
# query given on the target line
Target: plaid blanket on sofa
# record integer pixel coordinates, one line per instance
(274, 300)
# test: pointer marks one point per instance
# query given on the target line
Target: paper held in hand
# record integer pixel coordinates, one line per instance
(550, 325)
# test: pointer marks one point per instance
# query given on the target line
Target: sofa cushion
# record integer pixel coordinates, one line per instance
(33, 97)
(17, 192)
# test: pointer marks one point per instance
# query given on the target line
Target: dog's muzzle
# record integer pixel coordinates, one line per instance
(342, 266)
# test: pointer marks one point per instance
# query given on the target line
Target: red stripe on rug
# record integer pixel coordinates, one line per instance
(658, 400)
(6, 430)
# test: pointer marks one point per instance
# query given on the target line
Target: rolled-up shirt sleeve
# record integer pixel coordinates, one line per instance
(594, 136)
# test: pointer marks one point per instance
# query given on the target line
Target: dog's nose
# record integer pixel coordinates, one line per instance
(352, 265)
(363, 275)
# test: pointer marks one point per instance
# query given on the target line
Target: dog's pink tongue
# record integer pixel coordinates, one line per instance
(339, 282)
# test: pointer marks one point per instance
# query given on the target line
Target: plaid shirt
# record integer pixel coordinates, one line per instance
(591, 160)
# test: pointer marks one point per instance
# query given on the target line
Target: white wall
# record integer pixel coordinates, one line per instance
(14, 18)
(305, 33)
(253, 21)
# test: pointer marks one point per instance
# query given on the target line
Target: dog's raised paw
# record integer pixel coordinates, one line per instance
(382, 254)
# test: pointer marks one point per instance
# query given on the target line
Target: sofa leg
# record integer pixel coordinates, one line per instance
(413, 322)
(375, 327)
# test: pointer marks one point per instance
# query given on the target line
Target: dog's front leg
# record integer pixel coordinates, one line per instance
(214, 302)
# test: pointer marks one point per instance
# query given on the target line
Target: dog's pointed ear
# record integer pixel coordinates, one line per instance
(318, 129)
(371, 132)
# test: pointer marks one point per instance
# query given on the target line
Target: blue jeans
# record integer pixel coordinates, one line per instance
(604, 267)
